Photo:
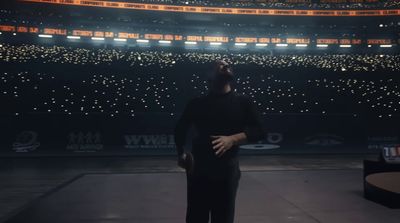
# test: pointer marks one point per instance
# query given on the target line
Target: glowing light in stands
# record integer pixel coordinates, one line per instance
(73, 37)
(215, 43)
(240, 44)
(142, 40)
(119, 40)
(97, 38)
(45, 36)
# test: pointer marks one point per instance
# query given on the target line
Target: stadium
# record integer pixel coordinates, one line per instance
(92, 92)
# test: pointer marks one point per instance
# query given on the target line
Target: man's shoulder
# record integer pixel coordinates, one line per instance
(195, 100)
(242, 97)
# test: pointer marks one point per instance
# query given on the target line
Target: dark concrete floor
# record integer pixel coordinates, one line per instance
(324, 188)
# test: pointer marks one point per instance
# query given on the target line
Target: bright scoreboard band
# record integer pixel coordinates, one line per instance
(220, 10)
(196, 38)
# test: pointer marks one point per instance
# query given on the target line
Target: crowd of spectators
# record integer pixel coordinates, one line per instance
(87, 80)
(285, 4)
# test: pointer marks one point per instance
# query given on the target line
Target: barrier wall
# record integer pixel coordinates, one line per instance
(152, 134)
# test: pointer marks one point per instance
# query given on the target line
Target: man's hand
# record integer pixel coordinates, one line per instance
(182, 161)
(222, 143)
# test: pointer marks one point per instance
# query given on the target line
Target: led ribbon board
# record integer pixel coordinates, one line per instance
(219, 10)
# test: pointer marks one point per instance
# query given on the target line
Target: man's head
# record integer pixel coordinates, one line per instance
(221, 73)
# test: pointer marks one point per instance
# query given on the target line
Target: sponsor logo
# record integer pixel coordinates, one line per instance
(150, 141)
(270, 142)
(391, 154)
(324, 140)
(26, 141)
(379, 142)
(84, 142)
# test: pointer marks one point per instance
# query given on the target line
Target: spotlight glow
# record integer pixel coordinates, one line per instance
(190, 43)
(45, 36)
(119, 40)
(215, 43)
(142, 41)
(164, 41)
(98, 38)
(73, 37)
(240, 44)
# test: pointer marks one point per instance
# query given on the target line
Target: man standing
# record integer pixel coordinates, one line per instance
(223, 120)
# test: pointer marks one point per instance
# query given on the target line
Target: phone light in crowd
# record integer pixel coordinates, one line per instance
(240, 44)
(73, 37)
(301, 45)
(45, 36)
(164, 41)
(1, 33)
(369, 45)
(119, 40)
(97, 38)
(261, 44)
(281, 45)
(142, 41)
(386, 46)
(190, 43)
(14, 34)
(345, 46)
(322, 45)
(215, 43)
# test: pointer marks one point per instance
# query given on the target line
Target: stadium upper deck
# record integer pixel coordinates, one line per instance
(289, 8)
(109, 23)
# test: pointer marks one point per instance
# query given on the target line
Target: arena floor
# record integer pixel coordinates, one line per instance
(272, 189)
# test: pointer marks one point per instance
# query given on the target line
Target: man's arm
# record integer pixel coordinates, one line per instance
(252, 133)
(182, 126)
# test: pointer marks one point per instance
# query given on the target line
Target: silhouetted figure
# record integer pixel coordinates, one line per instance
(223, 121)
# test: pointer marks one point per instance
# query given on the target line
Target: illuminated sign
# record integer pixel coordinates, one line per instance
(277, 40)
(77, 32)
(298, 40)
(216, 39)
(194, 38)
(264, 40)
(245, 40)
(327, 41)
(33, 30)
(128, 35)
(154, 36)
(7, 28)
(49, 31)
(379, 41)
(109, 34)
(98, 34)
(178, 37)
(219, 10)
(22, 29)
